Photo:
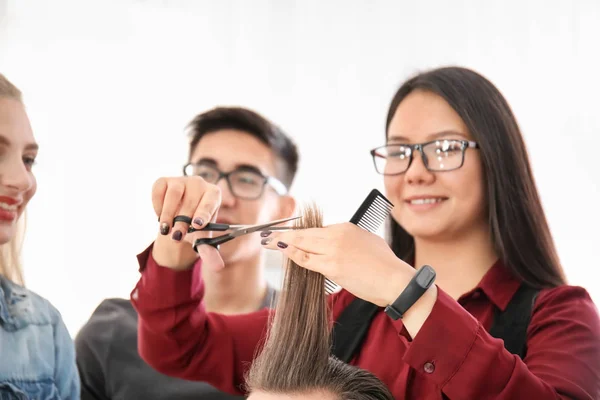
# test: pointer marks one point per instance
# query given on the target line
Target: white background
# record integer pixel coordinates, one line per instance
(110, 85)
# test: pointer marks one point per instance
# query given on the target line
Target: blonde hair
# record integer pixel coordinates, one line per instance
(296, 357)
(10, 259)
(10, 263)
(7, 89)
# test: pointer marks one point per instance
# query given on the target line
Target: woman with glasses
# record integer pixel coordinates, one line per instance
(465, 300)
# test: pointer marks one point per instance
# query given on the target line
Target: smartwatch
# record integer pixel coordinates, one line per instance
(422, 280)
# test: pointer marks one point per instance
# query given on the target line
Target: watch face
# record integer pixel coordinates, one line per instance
(425, 276)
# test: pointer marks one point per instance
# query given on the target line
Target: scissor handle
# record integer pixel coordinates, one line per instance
(214, 242)
(212, 226)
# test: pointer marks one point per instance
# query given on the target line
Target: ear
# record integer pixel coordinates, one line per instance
(287, 207)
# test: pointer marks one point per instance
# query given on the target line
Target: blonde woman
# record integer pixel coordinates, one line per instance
(37, 357)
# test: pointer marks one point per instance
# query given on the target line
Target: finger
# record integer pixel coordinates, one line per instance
(310, 261)
(297, 236)
(211, 258)
(172, 200)
(206, 211)
(191, 237)
(158, 195)
(194, 191)
(308, 240)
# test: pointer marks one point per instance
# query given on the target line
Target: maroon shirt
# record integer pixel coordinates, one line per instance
(453, 356)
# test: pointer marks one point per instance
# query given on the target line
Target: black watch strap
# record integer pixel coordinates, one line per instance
(422, 280)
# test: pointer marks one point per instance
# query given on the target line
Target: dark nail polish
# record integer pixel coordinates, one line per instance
(265, 241)
(177, 235)
(199, 221)
(281, 245)
(164, 228)
(265, 233)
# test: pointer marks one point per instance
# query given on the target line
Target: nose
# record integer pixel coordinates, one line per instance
(227, 198)
(417, 173)
(15, 175)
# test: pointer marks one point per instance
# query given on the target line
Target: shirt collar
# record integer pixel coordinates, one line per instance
(499, 285)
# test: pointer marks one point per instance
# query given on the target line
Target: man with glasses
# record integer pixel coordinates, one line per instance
(254, 164)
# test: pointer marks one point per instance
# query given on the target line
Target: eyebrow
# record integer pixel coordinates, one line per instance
(433, 136)
(29, 146)
(213, 162)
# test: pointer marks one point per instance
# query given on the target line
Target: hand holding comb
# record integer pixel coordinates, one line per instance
(370, 215)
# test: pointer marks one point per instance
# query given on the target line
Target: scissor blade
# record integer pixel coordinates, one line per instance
(269, 228)
(256, 228)
(280, 228)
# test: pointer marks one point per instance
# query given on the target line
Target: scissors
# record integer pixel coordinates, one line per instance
(212, 226)
(238, 230)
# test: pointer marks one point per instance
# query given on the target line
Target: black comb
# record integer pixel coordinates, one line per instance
(370, 215)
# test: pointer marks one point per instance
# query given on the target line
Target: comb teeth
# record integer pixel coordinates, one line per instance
(370, 215)
(330, 286)
(375, 215)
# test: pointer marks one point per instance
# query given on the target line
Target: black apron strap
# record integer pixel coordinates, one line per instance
(351, 327)
(511, 325)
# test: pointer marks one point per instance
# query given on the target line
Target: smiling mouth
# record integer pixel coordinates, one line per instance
(432, 200)
(8, 207)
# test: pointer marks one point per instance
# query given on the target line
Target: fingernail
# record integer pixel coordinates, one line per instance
(199, 221)
(281, 245)
(177, 235)
(265, 233)
(164, 228)
(265, 241)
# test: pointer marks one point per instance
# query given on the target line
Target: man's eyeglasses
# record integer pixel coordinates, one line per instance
(244, 183)
(437, 156)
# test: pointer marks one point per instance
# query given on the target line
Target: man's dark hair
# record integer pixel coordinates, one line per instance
(254, 124)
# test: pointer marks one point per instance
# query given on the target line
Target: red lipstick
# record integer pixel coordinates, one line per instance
(9, 200)
(8, 208)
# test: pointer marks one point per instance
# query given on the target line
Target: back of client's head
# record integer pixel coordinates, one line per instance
(296, 361)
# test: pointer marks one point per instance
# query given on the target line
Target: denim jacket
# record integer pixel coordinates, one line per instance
(37, 355)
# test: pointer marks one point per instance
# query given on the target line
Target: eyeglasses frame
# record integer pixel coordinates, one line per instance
(275, 183)
(465, 144)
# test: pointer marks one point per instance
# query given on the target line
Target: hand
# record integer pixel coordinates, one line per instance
(193, 197)
(357, 260)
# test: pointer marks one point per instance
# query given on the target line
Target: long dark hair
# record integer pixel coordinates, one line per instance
(296, 357)
(519, 229)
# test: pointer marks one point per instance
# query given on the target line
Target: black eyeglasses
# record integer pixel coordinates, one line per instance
(244, 183)
(437, 155)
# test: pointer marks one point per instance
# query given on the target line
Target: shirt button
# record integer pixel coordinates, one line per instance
(429, 367)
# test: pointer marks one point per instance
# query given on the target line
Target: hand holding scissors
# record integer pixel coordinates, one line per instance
(190, 196)
(185, 207)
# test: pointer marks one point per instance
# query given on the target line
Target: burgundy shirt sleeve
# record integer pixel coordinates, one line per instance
(177, 337)
(455, 351)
